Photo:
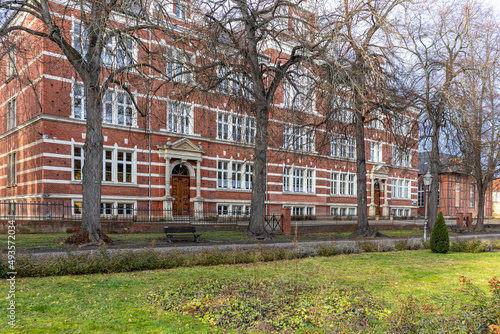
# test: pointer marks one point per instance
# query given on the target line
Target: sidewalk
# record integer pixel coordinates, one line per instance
(192, 247)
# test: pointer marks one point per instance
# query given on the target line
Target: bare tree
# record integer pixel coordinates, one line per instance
(251, 48)
(362, 74)
(476, 108)
(95, 38)
(435, 37)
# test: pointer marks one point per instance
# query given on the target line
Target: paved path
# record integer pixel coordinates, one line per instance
(202, 246)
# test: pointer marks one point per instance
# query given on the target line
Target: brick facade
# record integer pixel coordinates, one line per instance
(49, 134)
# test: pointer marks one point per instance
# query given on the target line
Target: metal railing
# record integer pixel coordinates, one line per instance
(63, 211)
(274, 223)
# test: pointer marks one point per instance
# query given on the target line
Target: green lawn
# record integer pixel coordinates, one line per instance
(118, 302)
(53, 240)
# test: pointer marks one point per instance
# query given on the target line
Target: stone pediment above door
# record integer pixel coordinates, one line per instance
(182, 149)
(379, 172)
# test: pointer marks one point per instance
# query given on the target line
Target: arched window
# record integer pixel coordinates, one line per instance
(180, 170)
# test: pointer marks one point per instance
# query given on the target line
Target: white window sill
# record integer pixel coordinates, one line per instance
(299, 193)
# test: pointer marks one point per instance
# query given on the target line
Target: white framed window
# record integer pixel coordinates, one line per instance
(77, 208)
(400, 212)
(108, 208)
(77, 162)
(302, 211)
(343, 184)
(298, 211)
(250, 130)
(107, 168)
(180, 9)
(11, 169)
(222, 75)
(118, 165)
(236, 127)
(341, 110)
(298, 139)
(376, 151)
(457, 195)
(223, 174)
(401, 157)
(78, 95)
(179, 118)
(298, 91)
(342, 212)
(80, 39)
(178, 66)
(117, 106)
(402, 125)
(334, 211)
(234, 175)
(124, 167)
(118, 109)
(298, 180)
(401, 189)
(286, 178)
(309, 180)
(342, 147)
(11, 114)
(377, 120)
(237, 175)
(224, 209)
(118, 52)
(248, 176)
(10, 63)
(223, 126)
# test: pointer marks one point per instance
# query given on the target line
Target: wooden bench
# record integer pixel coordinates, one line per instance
(181, 231)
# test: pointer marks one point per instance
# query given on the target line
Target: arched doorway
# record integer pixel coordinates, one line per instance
(180, 190)
(376, 197)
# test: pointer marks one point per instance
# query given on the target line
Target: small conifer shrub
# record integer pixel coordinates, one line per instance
(440, 241)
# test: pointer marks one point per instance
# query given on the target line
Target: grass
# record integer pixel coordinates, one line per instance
(118, 302)
(53, 240)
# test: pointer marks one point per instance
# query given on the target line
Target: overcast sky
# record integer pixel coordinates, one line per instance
(496, 3)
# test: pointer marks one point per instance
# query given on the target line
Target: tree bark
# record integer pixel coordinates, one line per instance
(434, 188)
(481, 193)
(92, 168)
(257, 213)
(363, 228)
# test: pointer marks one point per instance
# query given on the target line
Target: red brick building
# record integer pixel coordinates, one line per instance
(184, 154)
(457, 191)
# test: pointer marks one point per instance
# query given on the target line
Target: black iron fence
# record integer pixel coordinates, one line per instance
(63, 211)
(274, 223)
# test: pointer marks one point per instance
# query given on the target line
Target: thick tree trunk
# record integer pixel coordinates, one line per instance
(92, 168)
(363, 228)
(481, 194)
(434, 188)
(259, 184)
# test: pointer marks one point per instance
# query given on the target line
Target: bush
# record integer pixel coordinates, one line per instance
(408, 244)
(440, 240)
(472, 246)
(367, 246)
(328, 250)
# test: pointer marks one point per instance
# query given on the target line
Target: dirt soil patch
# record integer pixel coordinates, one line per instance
(82, 238)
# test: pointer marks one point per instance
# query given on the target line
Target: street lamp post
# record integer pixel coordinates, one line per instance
(427, 182)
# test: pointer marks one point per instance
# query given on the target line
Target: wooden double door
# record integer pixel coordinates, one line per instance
(180, 193)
